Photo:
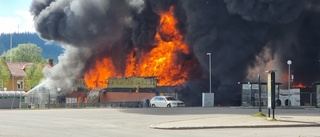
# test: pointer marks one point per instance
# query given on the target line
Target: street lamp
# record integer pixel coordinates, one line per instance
(209, 54)
(19, 83)
(59, 89)
(289, 62)
(49, 103)
(251, 95)
(259, 86)
(138, 93)
(2, 84)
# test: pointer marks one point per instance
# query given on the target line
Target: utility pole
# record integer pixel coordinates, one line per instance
(11, 46)
(49, 103)
(289, 62)
(259, 85)
(209, 54)
(138, 93)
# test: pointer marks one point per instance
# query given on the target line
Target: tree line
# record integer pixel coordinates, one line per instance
(50, 48)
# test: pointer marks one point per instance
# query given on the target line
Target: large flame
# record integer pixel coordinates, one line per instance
(162, 61)
(97, 76)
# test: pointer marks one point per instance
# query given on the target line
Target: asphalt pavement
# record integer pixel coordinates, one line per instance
(242, 121)
(146, 122)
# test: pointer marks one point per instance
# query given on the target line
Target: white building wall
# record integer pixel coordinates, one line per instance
(294, 96)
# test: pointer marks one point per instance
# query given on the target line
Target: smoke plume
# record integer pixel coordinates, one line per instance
(245, 38)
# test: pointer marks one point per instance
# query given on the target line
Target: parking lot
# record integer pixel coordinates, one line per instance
(133, 122)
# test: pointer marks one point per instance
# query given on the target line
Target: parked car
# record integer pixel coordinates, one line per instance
(165, 101)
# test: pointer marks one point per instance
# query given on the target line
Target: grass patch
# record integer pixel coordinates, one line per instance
(271, 119)
(259, 114)
(262, 115)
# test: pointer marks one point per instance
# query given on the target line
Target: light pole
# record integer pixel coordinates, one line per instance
(289, 62)
(20, 100)
(251, 98)
(59, 101)
(209, 54)
(19, 87)
(10, 47)
(49, 98)
(138, 93)
(259, 85)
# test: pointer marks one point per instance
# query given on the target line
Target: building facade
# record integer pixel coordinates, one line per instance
(17, 73)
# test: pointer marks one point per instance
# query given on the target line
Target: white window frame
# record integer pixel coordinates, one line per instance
(19, 85)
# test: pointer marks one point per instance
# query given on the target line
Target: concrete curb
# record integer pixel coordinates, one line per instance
(240, 126)
(281, 107)
(239, 121)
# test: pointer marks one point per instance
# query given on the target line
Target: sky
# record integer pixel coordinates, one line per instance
(15, 16)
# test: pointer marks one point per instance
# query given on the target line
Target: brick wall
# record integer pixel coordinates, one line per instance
(76, 94)
(124, 96)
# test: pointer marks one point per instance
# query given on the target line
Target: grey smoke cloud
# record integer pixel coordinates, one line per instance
(234, 31)
(86, 30)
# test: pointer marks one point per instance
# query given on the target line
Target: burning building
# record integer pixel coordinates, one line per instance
(169, 39)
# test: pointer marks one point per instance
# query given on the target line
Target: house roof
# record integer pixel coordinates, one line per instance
(17, 68)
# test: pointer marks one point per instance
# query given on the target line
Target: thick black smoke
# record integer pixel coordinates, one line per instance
(244, 37)
(270, 11)
(294, 33)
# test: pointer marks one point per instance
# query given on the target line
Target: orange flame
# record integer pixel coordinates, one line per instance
(97, 76)
(162, 61)
(300, 85)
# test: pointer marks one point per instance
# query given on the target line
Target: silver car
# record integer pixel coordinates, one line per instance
(165, 101)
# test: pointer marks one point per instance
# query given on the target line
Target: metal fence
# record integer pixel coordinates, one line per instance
(308, 99)
(131, 104)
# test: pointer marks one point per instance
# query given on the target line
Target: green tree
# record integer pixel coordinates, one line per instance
(24, 53)
(4, 73)
(34, 74)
